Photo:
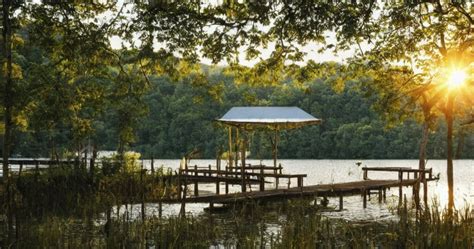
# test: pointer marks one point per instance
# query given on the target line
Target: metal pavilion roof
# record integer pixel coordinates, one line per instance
(274, 117)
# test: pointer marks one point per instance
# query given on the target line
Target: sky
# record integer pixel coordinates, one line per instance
(311, 50)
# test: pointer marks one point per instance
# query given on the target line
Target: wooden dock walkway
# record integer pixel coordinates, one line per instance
(364, 188)
(321, 190)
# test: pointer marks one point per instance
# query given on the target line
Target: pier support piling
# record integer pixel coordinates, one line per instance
(400, 188)
(196, 183)
(364, 193)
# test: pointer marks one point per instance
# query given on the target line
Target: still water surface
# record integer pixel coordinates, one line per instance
(335, 171)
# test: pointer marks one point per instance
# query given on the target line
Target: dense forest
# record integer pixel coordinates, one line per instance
(179, 116)
(73, 91)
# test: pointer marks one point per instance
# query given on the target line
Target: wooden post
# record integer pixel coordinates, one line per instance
(217, 177)
(19, 175)
(179, 184)
(162, 182)
(365, 174)
(364, 193)
(209, 172)
(229, 154)
(142, 171)
(196, 184)
(300, 181)
(384, 195)
(21, 169)
(380, 195)
(36, 170)
(262, 180)
(341, 203)
(160, 209)
(152, 165)
(277, 181)
(242, 155)
(275, 151)
(425, 189)
(237, 149)
(226, 183)
(218, 161)
(211, 206)
(400, 187)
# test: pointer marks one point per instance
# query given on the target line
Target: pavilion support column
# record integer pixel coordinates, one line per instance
(242, 158)
(230, 152)
(275, 150)
(237, 144)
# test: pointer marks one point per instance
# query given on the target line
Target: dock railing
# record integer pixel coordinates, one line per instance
(253, 174)
(417, 173)
(401, 171)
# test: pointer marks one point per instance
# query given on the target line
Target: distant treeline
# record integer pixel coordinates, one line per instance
(181, 117)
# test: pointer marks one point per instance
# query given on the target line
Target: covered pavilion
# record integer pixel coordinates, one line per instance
(241, 120)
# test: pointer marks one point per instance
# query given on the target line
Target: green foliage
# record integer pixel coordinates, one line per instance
(181, 117)
(127, 163)
(158, 100)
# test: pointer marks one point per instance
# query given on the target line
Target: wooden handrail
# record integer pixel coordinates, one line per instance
(223, 172)
(400, 170)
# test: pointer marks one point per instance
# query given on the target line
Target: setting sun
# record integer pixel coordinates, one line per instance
(456, 78)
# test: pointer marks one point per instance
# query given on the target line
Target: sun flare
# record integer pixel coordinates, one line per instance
(456, 78)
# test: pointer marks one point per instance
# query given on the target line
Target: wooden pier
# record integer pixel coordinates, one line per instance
(261, 175)
(364, 188)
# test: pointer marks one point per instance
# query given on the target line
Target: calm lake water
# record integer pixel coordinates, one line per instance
(335, 171)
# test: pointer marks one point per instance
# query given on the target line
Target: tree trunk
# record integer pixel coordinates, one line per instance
(8, 105)
(460, 146)
(8, 88)
(421, 165)
(450, 120)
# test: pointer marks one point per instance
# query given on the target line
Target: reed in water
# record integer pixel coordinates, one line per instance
(293, 224)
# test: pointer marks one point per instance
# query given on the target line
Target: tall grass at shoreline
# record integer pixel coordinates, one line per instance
(293, 225)
(71, 208)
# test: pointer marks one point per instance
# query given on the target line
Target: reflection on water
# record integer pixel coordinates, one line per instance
(334, 171)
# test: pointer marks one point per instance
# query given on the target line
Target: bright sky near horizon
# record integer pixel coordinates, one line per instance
(311, 49)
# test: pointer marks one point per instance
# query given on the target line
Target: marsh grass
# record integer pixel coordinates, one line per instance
(283, 225)
(73, 191)
(67, 208)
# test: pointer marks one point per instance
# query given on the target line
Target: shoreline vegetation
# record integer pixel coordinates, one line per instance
(180, 118)
(68, 207)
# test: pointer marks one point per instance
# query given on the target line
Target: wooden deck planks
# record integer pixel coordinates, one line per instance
(328, 190)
